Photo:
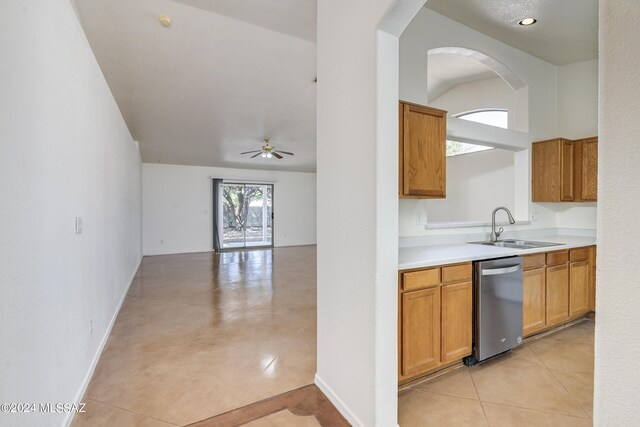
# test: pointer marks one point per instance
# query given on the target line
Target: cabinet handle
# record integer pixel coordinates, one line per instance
(503, 270)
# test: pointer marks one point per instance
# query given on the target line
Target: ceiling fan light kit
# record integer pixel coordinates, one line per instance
(268, 151)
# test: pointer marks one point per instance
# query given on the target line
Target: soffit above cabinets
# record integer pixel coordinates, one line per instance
(566, 31)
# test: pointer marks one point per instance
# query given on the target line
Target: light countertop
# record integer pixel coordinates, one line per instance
(432, 255)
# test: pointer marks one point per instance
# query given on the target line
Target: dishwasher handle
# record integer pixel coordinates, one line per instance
(501, 270)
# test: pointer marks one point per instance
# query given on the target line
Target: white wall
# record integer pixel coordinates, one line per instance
(577, 118)
(562, 101)
(65, 151)
(617, 342)
(429, 30)
(487, 93)
(357, 190)
(476, 184)
(578, 99)
(177, 200)
(574, 215)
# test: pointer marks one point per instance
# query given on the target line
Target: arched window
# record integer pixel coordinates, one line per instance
(492, 117)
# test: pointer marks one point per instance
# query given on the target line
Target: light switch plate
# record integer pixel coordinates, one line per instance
(78, 225)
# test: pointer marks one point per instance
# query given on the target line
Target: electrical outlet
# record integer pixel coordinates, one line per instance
(418, 218)
(90, 326)
(78, 225)
(162, 242)
(534, 216)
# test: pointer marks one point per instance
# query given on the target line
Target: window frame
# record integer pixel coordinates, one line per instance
(483, 110)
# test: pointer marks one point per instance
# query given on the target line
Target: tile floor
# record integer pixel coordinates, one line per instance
(201, 334)
(304, 406)
(545, 382)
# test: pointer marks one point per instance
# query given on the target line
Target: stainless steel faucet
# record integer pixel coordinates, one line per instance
(495, 234)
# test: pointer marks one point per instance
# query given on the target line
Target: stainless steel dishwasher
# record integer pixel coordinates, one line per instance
(497, 307)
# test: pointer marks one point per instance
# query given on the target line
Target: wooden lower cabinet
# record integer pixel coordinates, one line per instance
(533, 299)
(435, 320)
(579, 282)
(557, 294)
(420, 331)
(435, 324)
(457, 321)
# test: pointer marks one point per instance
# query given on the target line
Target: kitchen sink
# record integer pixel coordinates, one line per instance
(518, 244)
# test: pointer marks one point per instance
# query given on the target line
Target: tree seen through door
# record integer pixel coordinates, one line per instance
(247, 215)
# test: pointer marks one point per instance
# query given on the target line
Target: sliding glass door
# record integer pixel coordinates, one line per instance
(247, 215)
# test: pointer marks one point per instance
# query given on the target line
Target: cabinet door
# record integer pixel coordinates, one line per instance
(457, 315)
(567, 171)
(533, 311)
(545, 171)
(579, 281)
(420, 331)
(590, 169)
(557, 294)
(423, 152)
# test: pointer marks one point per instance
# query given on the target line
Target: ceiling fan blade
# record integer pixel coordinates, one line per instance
(285, 152)
(249, 152)
(276, 155)
(256, 155)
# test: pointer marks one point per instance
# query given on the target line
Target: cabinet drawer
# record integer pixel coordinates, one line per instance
(557, 258)
(420, 279)
(534, 261)
(457, 273)
(580, 254)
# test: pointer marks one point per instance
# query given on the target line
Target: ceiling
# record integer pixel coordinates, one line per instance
(293, 17)
(223, 76)
(566, 32)
(446, 71)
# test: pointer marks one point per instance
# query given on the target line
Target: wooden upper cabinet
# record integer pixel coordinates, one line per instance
(564, 171)
(423, 151)
(589, 175)
(552, 170)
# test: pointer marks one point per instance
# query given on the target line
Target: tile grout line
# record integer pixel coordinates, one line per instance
(548, 369)
(569, 393)
(134, 412)
(475, 387)
(543, 411)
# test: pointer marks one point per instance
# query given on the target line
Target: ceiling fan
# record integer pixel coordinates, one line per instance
(268, 151)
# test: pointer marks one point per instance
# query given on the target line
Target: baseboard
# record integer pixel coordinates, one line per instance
(87, 379)
(295, 245)
(199, 251)
(337, 402)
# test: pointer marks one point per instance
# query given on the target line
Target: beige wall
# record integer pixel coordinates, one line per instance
(617, 342)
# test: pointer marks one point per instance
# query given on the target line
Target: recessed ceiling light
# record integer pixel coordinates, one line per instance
(527, 21)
